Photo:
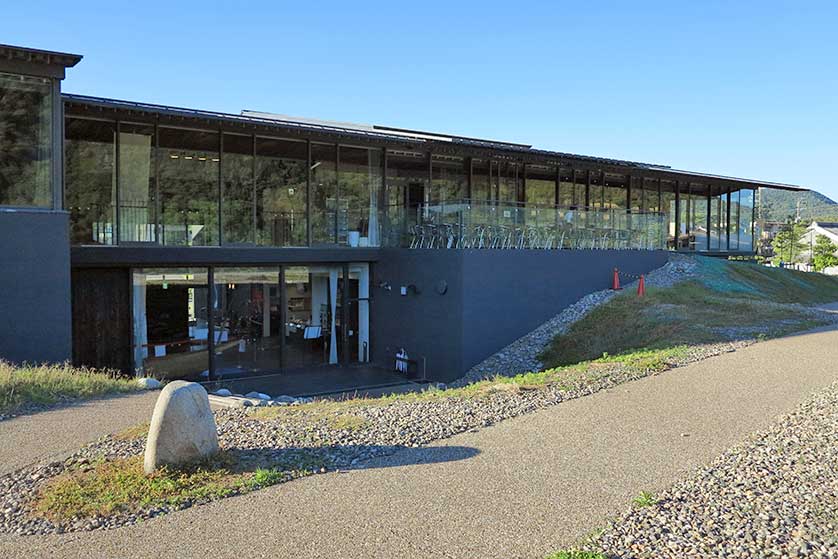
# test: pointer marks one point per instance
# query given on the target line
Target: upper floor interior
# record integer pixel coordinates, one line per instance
(148, 175)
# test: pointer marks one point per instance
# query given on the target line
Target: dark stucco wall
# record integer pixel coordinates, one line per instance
(34, 286)
(425, 324)
(493, 298)
(510, 293)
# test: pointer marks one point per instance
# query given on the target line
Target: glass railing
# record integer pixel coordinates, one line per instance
(451, 225)
(476, 225)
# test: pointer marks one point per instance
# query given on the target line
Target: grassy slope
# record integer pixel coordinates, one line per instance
(726, 299)
(48, 384)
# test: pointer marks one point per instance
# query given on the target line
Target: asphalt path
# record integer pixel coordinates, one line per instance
(521, 488)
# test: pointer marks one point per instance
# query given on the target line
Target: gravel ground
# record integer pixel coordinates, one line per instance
(383, 430)
(521, 356)
(776, 495)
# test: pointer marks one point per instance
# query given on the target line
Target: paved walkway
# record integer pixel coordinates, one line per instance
(538, 482)
(54, 434)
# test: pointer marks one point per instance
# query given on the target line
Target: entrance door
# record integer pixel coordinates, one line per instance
(247, 325)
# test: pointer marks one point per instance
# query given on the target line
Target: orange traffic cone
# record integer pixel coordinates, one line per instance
(641, 287)
(615, 283)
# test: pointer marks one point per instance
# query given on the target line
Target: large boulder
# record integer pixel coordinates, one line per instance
(182, 427)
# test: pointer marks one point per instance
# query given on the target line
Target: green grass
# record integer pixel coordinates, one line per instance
(48, 384)
(576, 554)
(645, 499)
(121, 486)
(726, 295)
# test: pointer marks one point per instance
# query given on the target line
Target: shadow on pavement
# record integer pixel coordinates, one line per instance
(345, 457)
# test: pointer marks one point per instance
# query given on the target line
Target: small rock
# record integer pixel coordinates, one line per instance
(148, 383)
(223, 392)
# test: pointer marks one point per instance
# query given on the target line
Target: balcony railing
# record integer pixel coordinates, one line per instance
(461, 224)
(472, 224)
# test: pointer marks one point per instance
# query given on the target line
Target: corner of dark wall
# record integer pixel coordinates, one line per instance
(35, 324)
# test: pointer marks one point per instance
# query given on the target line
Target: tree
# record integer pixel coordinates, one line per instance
(787, 244)
(823, 253)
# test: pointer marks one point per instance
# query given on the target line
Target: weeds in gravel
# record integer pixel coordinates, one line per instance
(576, 554)
(122, 486)
(138, 431)
(264, 477)
(645, 499)
(48, 384)
(119, 486)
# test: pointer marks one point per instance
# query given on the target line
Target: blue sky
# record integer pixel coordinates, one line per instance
(740, 88)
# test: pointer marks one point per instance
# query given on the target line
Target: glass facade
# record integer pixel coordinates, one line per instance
(449, 179)
(481, 189)
(26, 158)
(189, 193)
(137, 180)
(133, 183)
(171, 322)
(540, 186)
(281, 180)
(249, 320)
(237, 190)
(90, 152)
(360, 183)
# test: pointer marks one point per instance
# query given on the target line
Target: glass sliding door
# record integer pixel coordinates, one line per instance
(170, 322)
(246, 321)
(310, 324)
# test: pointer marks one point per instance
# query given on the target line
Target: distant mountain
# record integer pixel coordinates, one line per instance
(779, 205)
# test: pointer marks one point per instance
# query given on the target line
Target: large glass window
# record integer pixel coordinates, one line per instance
(596, 192)
(25, 141)
(718, 219)
(668, 209)
(137, 189)
(566, 188)
(324, 214)
(360, 180)
(407, 178)
(246, 321)
(313, 335)
(281, 176)
(540, 188)
(741, 217)
(509, 180)
(188, 187)
(90, 179)
(614, 194)
(449, 179)
(480, 187)
(170, 323)
(237, 193)
(651, 198)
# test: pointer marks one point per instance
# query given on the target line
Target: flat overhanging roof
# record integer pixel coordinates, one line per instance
(36, 62)
(427, 141)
